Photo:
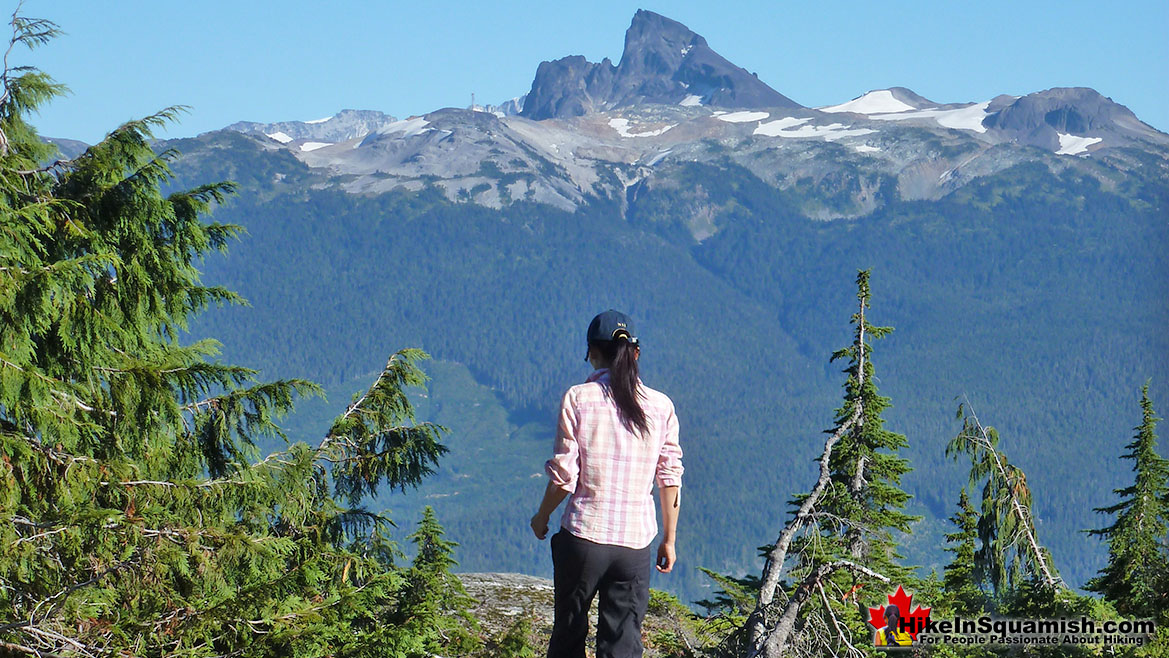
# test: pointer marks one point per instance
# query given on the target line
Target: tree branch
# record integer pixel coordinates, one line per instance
(756, 623)
(1020, 511)
(780, 639)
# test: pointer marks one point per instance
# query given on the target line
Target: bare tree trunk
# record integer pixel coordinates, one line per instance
(757, 622)
(1019, 510)
(781, 637)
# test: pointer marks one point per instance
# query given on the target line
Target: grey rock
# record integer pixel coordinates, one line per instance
(343, 126)
(663, 62)
(1037, 119)
(508, 108)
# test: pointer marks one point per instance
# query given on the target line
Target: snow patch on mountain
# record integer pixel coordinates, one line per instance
(693, 100)
(773, 128)
(406, 127)
(281, 137)
(795, 128)
(865, 148)
(312, 146)
(1074, 144)
(963, 118)
(321, 120)
(874, 102)
(622, 128)
(742, 117)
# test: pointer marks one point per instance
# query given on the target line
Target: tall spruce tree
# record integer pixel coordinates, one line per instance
(841, 535)
(866, 498)
(1136, 577)
(864, 503)
(960, 580)
(136, 514)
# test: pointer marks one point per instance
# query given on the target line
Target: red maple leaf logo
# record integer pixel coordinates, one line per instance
(911, 622)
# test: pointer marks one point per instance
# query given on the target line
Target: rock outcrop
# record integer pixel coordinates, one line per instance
(663, 62)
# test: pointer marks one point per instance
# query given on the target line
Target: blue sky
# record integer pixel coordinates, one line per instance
(270, 61)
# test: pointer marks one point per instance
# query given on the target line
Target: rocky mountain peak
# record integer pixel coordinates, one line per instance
(342, 126)
(663, 62)
(1050, 118)
(655, 44)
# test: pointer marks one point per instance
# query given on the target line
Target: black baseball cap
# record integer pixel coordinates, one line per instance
(611, 325)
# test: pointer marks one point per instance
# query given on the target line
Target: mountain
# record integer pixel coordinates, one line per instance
(68, 148)
(508, 108)
(1023, 271)
(663, 63)
(597, 132)
(884, 101)
(1069, 120)
(343, 126)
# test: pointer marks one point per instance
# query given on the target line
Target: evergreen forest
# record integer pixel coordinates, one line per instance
(293, 448)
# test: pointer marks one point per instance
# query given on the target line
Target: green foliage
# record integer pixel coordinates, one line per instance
(1010, 549)
(1034, 600)
(1136, 578)
(433, 603)
(135, 518)
(734, 599)
(674, 631)
(962, 588)
(863, 503)
(518, 642)
(1158, 647)
(380, 436)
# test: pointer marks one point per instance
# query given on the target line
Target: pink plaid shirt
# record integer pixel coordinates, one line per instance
(610, 471)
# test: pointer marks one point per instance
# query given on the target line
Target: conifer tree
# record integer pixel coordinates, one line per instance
(136, 514)
(1136, 577)
(841, 534)
(1010, 551)
(959, 579)
(434, 555)
(866, 496)
(433, 597)
(864, 504)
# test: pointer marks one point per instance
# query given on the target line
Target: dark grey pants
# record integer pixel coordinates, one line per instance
(621, 575)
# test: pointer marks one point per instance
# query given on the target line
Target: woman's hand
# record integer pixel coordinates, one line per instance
(552, 497)
(666, 557)
(539, 525)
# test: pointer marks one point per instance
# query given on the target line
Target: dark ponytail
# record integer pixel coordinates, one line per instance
(621, 355)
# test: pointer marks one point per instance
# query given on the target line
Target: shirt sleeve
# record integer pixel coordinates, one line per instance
(669, 469)
(564, 466)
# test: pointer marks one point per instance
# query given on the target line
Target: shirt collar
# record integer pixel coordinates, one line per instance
(599, 375)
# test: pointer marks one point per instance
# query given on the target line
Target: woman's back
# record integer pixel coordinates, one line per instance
(615, 437)
(615, 466)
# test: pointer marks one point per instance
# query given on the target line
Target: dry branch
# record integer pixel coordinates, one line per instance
(756, 624)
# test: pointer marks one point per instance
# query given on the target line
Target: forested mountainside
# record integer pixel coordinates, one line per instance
(1016, 246)
(958, 309)
(1035, 293)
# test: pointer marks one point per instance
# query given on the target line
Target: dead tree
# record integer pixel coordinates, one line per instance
(770, 634)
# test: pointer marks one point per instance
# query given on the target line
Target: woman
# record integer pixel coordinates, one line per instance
(616, 437)
(892, 635)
